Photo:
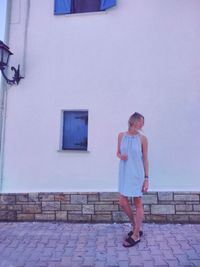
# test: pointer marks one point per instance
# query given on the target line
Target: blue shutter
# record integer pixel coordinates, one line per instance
(62, 7)
(105, 4)
(75, 130)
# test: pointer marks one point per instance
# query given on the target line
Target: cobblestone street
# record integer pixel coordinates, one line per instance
(45, 244)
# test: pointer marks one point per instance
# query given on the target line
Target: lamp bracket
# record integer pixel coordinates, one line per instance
(16, 77)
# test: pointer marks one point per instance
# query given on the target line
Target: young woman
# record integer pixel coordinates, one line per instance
(133, 174)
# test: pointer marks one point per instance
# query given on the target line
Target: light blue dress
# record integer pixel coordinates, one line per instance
(131, 171)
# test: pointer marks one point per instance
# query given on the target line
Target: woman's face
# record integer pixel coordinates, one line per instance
(139, 124)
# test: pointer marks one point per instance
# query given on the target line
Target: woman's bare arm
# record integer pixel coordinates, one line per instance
(145, 155)
(145, 186)
(118, 145)
(119, 155)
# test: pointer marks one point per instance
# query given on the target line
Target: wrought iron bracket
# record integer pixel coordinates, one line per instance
(16, 77)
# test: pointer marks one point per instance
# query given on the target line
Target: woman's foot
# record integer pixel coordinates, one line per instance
(131, 233)
(131, 241)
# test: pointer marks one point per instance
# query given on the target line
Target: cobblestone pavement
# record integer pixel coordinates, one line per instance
(39, 244)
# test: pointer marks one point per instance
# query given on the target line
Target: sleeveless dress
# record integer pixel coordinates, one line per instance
(131, 171)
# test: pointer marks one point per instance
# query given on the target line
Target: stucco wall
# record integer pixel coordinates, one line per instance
(140, 56)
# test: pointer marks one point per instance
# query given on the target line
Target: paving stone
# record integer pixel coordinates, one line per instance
(89, 245)
(99, 264)
(111, 251)
(136, 261)
(148, 264)
(176, 250)
(34, 264)
(122, 256)
(146, 255)
(89, 261)
(111, 261)
(192, 254)
(159, 261)
(155, 250)
(184, 261)
(123, 264)
(196, 262)
(173, 263)
(168, 255)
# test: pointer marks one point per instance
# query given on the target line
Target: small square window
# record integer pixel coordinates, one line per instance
(75, 130)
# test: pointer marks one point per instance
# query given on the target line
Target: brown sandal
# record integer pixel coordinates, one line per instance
(131, 233)
(131, 242)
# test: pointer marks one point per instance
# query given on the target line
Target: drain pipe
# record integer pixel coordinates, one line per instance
(3, 97)
(5, 86)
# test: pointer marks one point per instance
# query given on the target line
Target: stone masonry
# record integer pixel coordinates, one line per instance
(163, 207)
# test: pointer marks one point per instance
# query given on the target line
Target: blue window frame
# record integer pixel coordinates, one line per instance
(80, 6)
(75, 130)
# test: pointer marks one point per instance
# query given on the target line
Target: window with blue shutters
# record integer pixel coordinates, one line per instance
(75, 130)
(80, 6)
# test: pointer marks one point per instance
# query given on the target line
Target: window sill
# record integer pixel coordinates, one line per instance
(73, 151)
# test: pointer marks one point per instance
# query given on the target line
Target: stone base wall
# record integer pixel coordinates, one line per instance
(162, 207)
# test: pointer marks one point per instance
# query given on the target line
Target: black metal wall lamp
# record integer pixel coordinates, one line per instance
(4, 58)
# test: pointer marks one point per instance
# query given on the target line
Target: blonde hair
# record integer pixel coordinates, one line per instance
(134, 117)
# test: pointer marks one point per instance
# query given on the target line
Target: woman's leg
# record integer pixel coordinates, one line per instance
(138, 218)
(123, 202)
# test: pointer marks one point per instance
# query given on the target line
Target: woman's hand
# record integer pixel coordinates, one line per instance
(145, 186)
(124, 157)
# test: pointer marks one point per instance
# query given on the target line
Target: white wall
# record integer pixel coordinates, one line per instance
(140, 56)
